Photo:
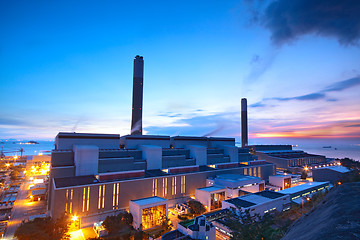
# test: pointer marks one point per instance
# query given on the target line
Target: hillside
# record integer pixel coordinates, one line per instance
(337, 217)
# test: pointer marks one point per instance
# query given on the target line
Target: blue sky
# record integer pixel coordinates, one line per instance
(67, 66)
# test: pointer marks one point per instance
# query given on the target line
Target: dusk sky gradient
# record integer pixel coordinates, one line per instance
(68, 65)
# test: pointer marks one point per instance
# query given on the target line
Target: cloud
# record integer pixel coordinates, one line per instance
(212, 124)
(353, 125)
(258, 104)
(260, 64)
(342, 85)
(289, 20)
(336, 87)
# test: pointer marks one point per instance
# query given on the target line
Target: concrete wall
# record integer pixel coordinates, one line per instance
(153, 156)
(86, 159)
(324, 174)
(102, 141)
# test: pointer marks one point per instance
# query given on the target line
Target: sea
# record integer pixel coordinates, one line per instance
(331, 148)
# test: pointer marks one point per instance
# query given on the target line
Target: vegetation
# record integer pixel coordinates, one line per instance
(303, 175)
(196, 207)
(115, 224)
(44, 229)
(15, 172)
(270, 226)
(350, 163)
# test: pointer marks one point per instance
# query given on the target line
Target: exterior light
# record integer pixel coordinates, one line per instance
(15, 157)
(307, 199)
(74, 218)
(339, 163)
(339, 183)
(31, 196)
(7, 164)
(306, 168)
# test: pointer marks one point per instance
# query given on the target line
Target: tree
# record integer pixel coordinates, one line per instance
(304, 175)
(43, 229)
(114, 224)
(196, 207)
(246, 226)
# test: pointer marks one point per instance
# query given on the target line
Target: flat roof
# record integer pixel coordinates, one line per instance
(87, 135)
(302, 187)
(75, 181)
(270, 194)
(235, 177)
(281, 176)
(340, 169)
(240, 202)
(146, 137)
(149, 200)
(256, 199)
(211, 189)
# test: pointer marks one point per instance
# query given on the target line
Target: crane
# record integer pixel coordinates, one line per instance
(2, 154)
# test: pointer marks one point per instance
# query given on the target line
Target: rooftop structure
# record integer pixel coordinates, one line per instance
(285, 158)
(259, 203)
(304, 190)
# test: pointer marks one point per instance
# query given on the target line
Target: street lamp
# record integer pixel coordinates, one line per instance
(74, 218)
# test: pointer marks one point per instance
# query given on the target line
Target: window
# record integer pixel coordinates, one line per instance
(84, 200)
(117, 195)
(182, 184)
(71, 198)
(164, 187)
(99, 200)
(88, 199)
(173, 186)
(67, 199)
(154, 192)
(114, 195)
(103, 197)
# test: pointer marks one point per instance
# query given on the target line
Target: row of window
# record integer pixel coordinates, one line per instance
(253, 171)
(116, 190)
(165, 186)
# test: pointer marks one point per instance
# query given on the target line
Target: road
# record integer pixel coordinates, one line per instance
(21, 210)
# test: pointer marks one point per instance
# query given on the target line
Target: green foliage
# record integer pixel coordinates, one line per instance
(196, 207)
(114, 224)
(246, 226)
(44, 229)
(350, 163)
(304, 175)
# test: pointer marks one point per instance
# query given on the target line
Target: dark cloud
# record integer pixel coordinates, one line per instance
(258, 104)
(353, 125)
(288, 20)
(342, 85)
(336, 87)
(12, 121)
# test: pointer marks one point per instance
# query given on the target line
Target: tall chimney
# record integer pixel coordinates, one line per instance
(244, 123)
(137, 102)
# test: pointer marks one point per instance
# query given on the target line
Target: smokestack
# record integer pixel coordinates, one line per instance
(137, 102)
(244, 123)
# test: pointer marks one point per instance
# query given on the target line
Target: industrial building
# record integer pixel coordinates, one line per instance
(259, 203)
(331, 173)
(95, 175)
(285, 158)
(305, 190)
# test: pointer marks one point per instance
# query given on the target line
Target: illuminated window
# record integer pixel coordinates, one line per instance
(182, 184)
(117, 195)
(88, 199)
(67, 199)
(164, 187)
(99, 202)
(153, 216)
(84, 199)
(245, 171)
(103, 197)
(71, 198)
(173, 186)
(114, 194)
(154, 192)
